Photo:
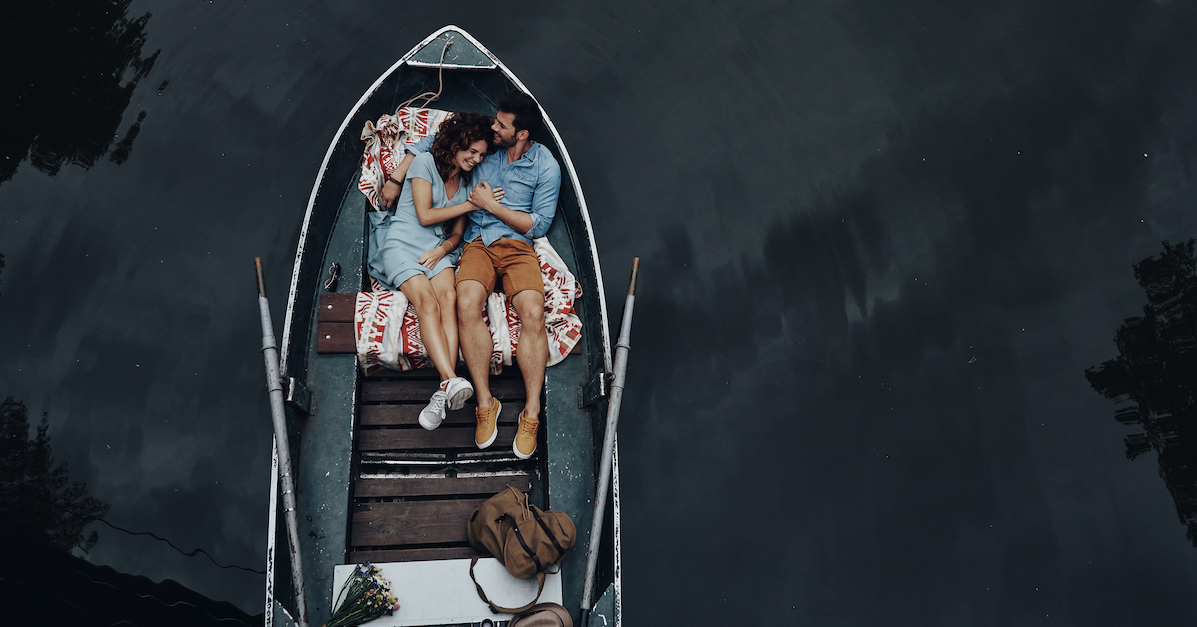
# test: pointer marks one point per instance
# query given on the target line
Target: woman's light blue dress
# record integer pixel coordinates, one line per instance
(397, 239)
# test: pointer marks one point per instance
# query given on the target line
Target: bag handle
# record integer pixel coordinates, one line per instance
(498, 609)
(553, 538)
(519, 536)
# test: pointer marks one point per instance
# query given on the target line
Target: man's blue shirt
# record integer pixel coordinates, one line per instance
(530, 184)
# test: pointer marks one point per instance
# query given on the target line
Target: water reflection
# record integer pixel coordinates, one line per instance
(80, 63)
(37, 498)
(1154, 377)
(43, 520)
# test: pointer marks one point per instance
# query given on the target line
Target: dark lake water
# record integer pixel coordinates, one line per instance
(882, 243)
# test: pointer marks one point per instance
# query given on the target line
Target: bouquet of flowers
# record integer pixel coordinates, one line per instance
(365, 596)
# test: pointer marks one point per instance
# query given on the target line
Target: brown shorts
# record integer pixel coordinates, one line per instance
(512, 259)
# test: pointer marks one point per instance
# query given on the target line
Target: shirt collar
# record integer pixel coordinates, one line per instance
(531, 155)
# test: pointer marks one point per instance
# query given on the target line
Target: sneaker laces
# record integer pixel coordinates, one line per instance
(529, 425)
(482, 414)
(438, 401)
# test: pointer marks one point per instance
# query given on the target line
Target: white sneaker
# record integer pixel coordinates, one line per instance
(459, 391)
(432, 415)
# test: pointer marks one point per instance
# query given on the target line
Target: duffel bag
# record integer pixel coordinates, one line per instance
(524, 538)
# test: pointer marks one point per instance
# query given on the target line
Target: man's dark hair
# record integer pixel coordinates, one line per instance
(523, 107)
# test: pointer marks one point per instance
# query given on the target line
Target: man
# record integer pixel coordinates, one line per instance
(498, 250)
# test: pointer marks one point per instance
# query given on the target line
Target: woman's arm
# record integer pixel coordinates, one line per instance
(456, 233)
(457, 230)
(421, 196)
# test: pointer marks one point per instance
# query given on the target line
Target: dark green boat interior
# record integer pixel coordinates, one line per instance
(338, 463)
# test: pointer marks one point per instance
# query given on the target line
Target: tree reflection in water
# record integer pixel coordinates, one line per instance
(37, 498)
(80, 61)
(1154, 377)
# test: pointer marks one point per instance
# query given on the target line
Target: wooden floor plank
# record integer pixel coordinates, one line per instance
(413, 555)
(409, 414)
(411, 522)
(383, 390)
(509, 372)
(431, 486)
(447, 437)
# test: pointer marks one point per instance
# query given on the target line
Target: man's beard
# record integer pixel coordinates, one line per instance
(505, 144)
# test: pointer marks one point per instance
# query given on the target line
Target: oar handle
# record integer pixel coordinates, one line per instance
(635, 272)
(261, 278)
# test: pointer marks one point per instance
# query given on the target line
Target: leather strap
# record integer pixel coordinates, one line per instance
(552, 538)
(498, 609)
(519, 536)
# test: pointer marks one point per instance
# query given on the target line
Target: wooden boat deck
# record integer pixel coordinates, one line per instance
(414, 489)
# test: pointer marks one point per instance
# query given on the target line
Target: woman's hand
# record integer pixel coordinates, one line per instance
(430, 258)
(485, 197)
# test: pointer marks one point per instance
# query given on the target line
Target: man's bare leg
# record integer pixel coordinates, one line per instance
(476, 345)
(532, 354)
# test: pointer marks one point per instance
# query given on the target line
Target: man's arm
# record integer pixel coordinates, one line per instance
(544, 204)
(544, 200)
(483, 195)
(394, 183)
(424, 145)
(393, 186)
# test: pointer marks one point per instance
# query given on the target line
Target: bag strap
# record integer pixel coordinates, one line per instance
(553, 538)
(498, 609)
(519, 536)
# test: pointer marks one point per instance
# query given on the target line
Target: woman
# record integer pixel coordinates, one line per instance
(415, 246)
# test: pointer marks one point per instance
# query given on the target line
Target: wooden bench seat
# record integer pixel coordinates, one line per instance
(334, 326)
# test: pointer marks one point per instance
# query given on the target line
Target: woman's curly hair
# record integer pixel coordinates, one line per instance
(457, 132)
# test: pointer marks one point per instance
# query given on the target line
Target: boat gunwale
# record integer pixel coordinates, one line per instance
(304, 236)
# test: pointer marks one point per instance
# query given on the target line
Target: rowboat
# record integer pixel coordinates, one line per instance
(369, 484)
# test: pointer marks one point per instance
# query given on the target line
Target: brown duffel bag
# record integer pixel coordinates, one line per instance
(527, 540)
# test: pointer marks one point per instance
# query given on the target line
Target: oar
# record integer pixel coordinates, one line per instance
(622, 347)
(275, 384)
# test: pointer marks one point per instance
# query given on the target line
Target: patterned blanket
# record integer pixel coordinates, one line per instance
(386, 142)
(385, 324)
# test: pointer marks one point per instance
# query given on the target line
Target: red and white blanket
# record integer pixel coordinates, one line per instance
(386, 142)
(386, 326)
(388, 331)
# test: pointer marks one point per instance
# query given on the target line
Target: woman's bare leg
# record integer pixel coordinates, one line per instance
(419, 291)
(446, 297)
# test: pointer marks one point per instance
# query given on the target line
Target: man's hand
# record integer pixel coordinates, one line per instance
(486, 197)
(390, 192)
(392, 186)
